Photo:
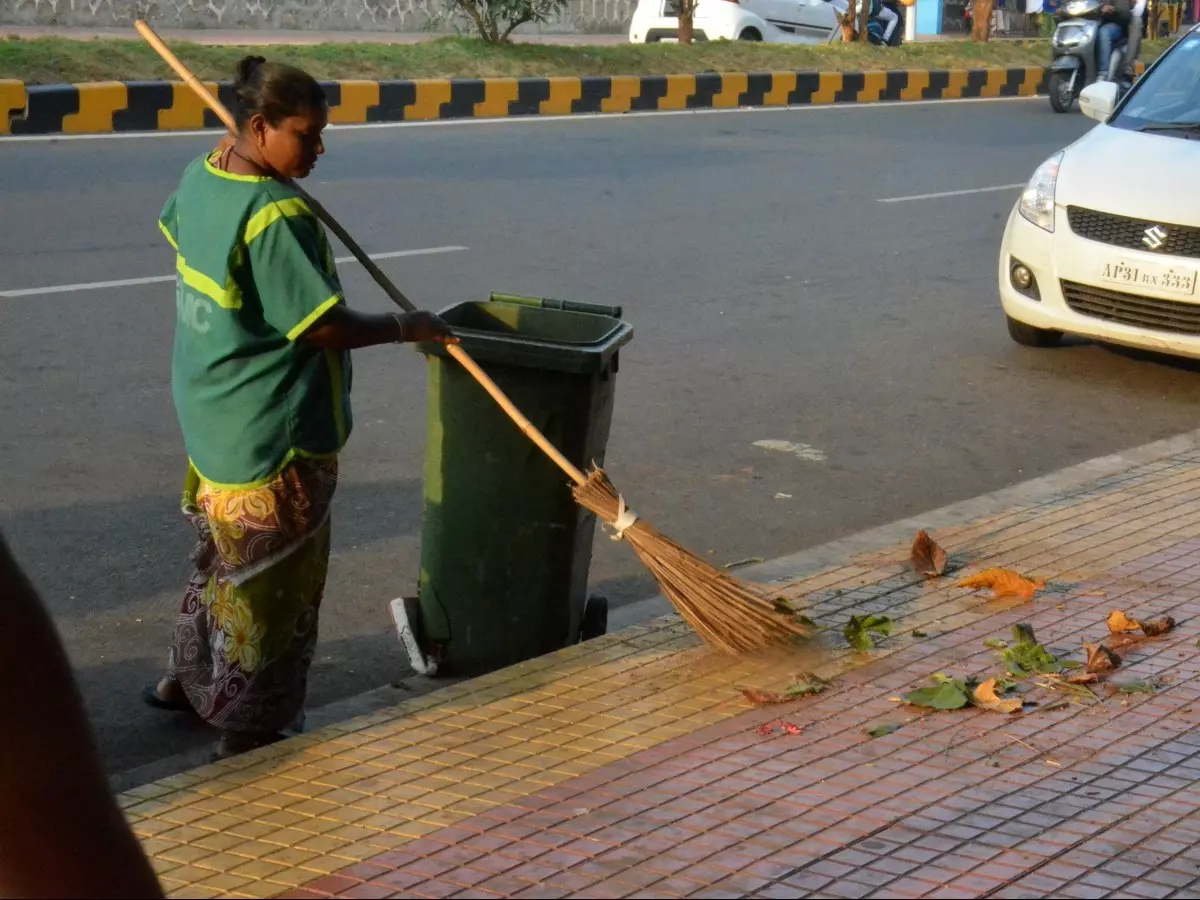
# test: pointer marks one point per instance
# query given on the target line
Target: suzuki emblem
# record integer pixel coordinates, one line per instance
(1154, 237)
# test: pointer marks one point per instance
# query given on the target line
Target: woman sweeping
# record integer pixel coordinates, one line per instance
(261, 382)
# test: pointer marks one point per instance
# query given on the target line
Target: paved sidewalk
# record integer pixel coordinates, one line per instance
(633, 766)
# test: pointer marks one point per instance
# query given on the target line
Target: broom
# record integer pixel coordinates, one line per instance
(735, 616)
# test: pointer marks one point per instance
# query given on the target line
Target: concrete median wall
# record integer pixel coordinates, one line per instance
(167, 106)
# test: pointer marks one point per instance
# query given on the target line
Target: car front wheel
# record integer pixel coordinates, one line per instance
(1028, 336)
(750, 34)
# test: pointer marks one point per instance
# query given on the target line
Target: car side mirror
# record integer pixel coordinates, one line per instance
(1098, 100)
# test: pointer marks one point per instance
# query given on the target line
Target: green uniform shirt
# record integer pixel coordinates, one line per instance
(254, 272)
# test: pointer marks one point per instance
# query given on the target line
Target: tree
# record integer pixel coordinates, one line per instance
(981, 19)
(853, 21)
(864, 17)
(686, 10)
(496, 20)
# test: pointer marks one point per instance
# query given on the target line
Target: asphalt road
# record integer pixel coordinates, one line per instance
(774, 300)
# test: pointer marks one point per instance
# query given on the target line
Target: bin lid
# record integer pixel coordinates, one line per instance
(530, 337)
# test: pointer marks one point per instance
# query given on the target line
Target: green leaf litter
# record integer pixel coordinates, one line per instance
(859, 629)
(945, 693)
(1026, 657)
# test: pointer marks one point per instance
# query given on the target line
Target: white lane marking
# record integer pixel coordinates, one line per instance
(937, 196)
(524, 120)
(162, 279)
(803, 451)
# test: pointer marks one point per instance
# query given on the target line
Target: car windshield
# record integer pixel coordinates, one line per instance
(1167, 101)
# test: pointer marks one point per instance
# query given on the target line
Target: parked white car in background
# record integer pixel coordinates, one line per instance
(1105, 240)
(773, 21)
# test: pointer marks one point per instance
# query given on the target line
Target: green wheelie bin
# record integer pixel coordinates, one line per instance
(505, 550)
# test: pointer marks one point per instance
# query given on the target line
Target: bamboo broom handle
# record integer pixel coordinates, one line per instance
(396, 295)
(515, 414)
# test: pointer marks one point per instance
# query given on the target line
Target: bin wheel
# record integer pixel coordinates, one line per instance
(595, 618)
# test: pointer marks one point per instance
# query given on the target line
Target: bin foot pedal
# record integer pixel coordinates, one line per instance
(406, 614)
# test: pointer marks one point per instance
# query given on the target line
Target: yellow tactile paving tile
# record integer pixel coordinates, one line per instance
(274, 819)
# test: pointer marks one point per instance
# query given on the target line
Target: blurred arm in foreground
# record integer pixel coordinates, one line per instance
(61, 833)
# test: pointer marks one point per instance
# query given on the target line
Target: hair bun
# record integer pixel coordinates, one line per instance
(247, 67)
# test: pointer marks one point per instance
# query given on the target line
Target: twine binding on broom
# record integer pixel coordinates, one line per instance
(626, 518)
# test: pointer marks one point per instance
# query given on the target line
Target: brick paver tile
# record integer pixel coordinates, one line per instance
(1147, 889)
(847, 888)
(368, 891)
(776, 892)
(808, 881)
(912, 887)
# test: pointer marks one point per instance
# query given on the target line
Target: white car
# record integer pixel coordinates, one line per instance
(773, 21)
(1105, 240)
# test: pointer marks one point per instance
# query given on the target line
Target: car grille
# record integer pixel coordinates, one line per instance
(1181, 240)
(1130, 309)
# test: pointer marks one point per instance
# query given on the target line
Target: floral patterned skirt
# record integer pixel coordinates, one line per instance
(247, 631)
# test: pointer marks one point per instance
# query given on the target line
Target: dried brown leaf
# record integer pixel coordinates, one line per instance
(1157, 627)
(927, 556)
(1082, 678)
(985, 697)
(1100, 658)
(1119, 623)
(1119, 641)
(1004, 583)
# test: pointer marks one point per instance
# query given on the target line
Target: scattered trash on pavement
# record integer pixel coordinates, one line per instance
(859, 629)
(1003, 583)
(927, 557)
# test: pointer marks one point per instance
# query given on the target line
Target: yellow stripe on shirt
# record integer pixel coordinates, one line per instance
(272, 213)
(229, 297)
(312, 317)
(167, 235)
(335, 383)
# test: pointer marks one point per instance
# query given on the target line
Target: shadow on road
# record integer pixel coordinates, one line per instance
(1132, 354)
(113, 575)
(92, 558)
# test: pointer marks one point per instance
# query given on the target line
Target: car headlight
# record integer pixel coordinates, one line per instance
(1037, 201)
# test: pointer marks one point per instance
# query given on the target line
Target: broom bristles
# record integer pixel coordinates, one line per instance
(732, 615)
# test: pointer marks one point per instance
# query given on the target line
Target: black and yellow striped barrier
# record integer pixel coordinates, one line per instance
(165, 106)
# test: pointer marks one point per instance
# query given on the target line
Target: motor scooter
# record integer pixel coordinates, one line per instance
(1076, 50)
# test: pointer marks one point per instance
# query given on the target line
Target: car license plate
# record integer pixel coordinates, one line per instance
(1173, 279)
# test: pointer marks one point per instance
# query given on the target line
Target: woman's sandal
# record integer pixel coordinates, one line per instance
(151, 697)
(236, 743)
